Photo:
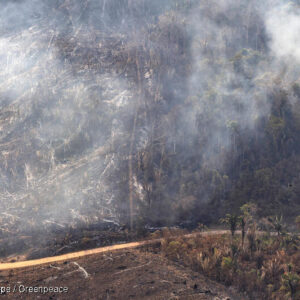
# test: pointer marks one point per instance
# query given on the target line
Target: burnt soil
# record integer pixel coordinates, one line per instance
(124, 274)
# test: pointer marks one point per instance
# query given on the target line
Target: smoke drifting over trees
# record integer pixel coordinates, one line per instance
(150, 111)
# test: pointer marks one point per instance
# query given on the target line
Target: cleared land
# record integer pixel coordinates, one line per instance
(121, 274)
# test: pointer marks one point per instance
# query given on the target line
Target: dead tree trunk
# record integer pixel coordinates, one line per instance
(132, 139)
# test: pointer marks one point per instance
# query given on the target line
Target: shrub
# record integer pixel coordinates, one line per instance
(262, 270)
(290, 285)
(174, 249)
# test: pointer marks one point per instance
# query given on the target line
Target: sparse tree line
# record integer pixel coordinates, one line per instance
(262, 260)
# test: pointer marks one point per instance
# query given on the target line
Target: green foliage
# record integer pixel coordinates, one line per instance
(248, 210)
(251, 236)
(266, 269)
(291, 241)
(278, 225)
(243, 228)
(174, 249)
(232, 221)
(290, 285)
(227, 263)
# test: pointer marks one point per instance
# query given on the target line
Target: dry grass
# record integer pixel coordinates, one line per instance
(267, 267)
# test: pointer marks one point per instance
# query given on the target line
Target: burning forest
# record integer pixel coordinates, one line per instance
(121, 117)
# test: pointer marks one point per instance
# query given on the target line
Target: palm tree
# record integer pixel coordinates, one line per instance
(242, 221)
(248, 211)
(232, 221)
(277, 223)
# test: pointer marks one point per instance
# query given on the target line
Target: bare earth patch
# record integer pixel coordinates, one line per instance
(123, 274)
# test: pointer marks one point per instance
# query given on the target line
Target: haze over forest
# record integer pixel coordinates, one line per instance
(153, 112)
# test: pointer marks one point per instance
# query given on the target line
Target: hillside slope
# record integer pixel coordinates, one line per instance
(130, 274)
(146, 113)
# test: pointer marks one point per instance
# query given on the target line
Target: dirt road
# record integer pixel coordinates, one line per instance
(47, 260)
(122, 274)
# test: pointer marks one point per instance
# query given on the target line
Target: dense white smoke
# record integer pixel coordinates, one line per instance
(67, 114)
(283, 26)
(62, 117)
